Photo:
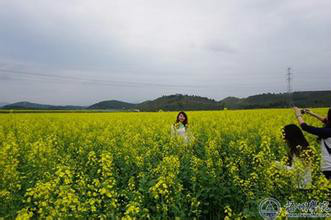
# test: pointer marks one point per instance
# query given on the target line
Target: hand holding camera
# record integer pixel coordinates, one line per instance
(304, 111)
(298, 112)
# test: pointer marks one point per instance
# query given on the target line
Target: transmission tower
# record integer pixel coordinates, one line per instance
(289, 87)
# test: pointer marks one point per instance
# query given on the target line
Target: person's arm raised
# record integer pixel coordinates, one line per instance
(298, 115)
(309, 112)
(321, 132)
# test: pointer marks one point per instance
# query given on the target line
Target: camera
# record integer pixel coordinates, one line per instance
(303, 111)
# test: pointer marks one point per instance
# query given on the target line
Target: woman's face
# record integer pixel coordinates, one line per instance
(181, 117)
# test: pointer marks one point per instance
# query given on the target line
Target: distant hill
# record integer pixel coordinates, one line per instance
(168, 103)
(3, 104)
(112, 104)
(280, 100)
(179, 102)
(30, 105)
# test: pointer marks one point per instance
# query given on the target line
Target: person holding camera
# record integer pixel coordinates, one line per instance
(324, 136)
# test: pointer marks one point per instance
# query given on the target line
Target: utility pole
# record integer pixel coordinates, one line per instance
(289, 87)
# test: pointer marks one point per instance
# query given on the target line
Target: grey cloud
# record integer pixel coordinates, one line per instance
(239, 48)
(219, 48)
(5, 77)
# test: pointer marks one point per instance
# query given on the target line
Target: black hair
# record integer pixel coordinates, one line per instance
(295, 140)
(328, 118)
(185, 122)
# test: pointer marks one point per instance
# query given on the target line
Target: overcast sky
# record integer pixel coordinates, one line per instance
(80, 52)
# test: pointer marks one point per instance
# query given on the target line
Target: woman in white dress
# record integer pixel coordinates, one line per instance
(180, 126)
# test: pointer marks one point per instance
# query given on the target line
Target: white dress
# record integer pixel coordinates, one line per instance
(181, 131)
(304, 178)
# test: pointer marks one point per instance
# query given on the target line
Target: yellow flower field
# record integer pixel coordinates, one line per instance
(128, 166)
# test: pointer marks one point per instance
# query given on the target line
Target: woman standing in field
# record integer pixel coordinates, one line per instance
(298, 149)
(180, 126)
(324, 136)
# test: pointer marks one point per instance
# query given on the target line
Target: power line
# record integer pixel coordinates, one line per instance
(60, 78)
(97, 81)
(242, 84)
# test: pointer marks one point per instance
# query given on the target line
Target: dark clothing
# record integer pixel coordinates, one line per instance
(325, 121)
(327, 174)
(323, 133)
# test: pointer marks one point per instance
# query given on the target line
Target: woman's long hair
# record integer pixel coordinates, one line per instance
(328, 123)
(185, 122)
(295, 140)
